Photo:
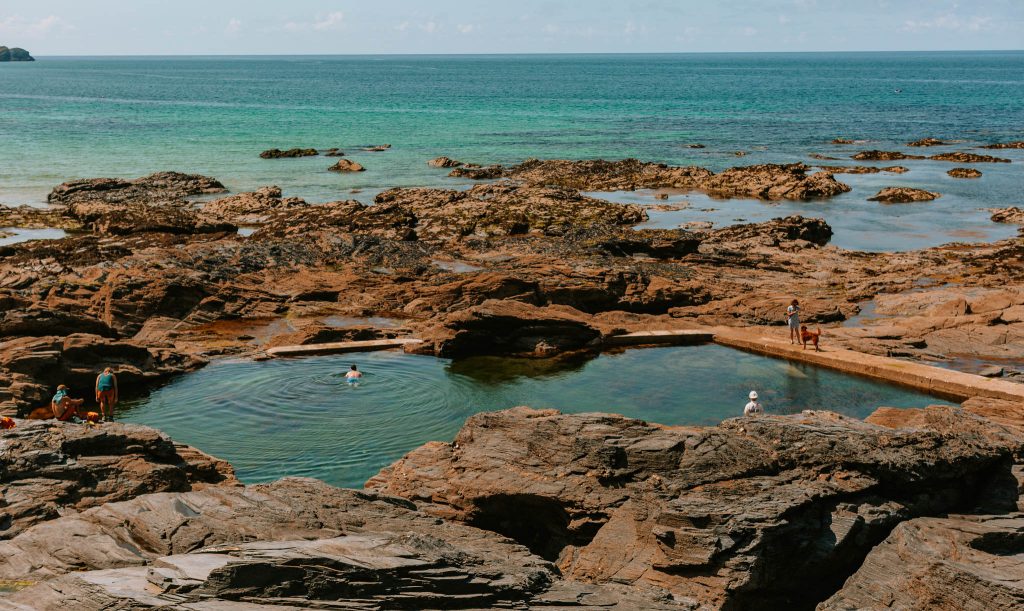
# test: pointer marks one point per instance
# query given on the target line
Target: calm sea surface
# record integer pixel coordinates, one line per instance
(64, 118)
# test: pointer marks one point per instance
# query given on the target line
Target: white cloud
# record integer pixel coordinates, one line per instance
(429, 27)
(465, 28)
(749, 31)
(19, 26)
(234, 26)
(630, 28)
(949, 21)
(402, 26)
(331, 22)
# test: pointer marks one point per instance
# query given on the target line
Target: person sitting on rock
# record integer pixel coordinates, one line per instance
(754, 407)
(106, 393)
(353, 375)
(64, 407)
(793, 320)
(807, 335)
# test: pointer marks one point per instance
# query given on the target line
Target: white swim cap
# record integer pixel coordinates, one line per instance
(753, 394)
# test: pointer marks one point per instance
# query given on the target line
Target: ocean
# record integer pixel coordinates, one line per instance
(65, 118)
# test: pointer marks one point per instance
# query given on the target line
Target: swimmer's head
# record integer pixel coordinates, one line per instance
(354, 368)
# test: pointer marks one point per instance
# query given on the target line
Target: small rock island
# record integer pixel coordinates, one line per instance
(15, 54)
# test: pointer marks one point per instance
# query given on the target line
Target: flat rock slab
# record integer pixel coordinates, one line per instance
(341, 347)
(675, 337)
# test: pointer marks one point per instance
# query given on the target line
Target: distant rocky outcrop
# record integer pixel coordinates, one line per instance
(1012, 214)
(903, 195)
(863, 169)
(15, 54)
(964, 173)
(296, 152)
(842, 141)
(346, 165)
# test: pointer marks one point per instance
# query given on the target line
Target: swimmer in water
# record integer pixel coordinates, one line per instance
(353, 376)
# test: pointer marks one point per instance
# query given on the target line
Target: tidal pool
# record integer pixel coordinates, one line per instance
(299, 417)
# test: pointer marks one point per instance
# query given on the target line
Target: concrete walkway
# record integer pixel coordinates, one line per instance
(935, 380)
(342, 347)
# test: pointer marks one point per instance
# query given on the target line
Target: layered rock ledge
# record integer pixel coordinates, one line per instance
(768, 511)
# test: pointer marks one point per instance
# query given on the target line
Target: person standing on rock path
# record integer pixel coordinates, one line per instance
(106, 393)
(793, 320)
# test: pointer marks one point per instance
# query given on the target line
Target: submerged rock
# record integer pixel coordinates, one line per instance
(902, 195)
(928, 142)
(377, 148)
(476, 172)
(1018, 144)
(964, 173)
(876, 155)
(961, 157)
(334, 152)
(346, 165)
(296, 152)
(444, 162)
(1012, 214)
(772, 512)
(970, 563)
(842, 141)
(863, 169)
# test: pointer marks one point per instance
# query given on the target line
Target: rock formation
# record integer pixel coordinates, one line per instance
(960, 157)
(842, 141)
(50, 467)
(964, 173)
(863, 169)
(928, 142)
(444, 162)
(296, 152)
(1012, 214)
(902, 195)
(249, 208)
(153, 189)
(1018, 144)
(876, 155)
(346, 165)
(15, 54)
(772, 511)
(960, 562)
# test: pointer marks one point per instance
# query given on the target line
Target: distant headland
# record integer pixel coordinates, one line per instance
(15, 54)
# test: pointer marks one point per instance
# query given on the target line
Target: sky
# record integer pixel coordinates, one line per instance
(234, 27)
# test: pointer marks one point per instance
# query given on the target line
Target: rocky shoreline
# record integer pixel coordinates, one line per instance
(526, 508)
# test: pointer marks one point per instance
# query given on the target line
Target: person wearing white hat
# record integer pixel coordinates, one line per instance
(754, 407)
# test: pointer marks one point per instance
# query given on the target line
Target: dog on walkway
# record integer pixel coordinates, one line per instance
(808, 336)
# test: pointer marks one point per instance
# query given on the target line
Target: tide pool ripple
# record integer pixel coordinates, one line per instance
(299, 417)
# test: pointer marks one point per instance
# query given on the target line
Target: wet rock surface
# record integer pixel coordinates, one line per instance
(346, 165)
(961, 157)
(903, 195)
(155, 188)
(770, 511)
(964, 173)
(1017, 144)
(290, 153)
(928, 142)
(1012, 214)
(863, 169)
(876, 155)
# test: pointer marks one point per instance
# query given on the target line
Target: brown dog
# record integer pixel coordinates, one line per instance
(806, 335)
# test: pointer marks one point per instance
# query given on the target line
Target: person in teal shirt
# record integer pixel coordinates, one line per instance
(106, 393)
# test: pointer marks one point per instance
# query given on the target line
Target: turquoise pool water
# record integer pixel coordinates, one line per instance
(299, 417)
